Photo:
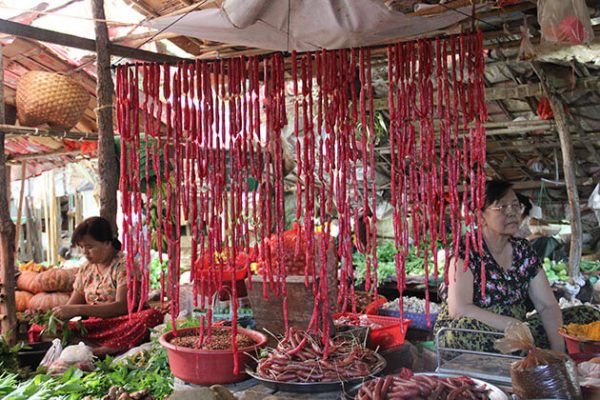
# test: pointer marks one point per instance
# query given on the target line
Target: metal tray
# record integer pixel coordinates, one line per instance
(317, 387)
(494, 392)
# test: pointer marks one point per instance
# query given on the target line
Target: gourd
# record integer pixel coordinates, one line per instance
(47, 301)
(57, 280)
(28, 280)
(22, 299)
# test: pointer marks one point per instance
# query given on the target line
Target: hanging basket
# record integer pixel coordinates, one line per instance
(50, 98)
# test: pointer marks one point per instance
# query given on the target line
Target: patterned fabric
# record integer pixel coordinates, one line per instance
(483, 342)
(502, 287)
(118, 333)
(99, 286)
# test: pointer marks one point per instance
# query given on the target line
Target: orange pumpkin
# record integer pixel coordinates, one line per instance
(57, 280)
(47, 301)
(28, 280)
(22, 299)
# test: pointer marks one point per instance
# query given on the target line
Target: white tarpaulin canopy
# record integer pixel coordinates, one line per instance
(313, 24)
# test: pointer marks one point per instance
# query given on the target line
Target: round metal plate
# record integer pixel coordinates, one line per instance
(316, 387)
(494, 392)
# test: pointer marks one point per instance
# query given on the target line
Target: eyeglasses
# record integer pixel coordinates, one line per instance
(506, 208)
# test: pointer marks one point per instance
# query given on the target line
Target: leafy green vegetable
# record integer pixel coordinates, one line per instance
(146, 370)
(386, 253)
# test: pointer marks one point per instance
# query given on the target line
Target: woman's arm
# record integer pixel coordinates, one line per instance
(106, 310)
(460, 298)
(546, 305)
(76, 298)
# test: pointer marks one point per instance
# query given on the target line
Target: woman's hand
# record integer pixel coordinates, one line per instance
(66, 312)
(545, 303)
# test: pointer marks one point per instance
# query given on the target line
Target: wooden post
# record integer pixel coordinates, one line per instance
(566, 145)
(107, 160)
(8, 310)
(20, 209)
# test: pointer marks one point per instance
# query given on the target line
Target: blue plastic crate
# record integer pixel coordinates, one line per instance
(419, 320)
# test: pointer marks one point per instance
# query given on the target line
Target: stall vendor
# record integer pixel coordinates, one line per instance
(100, 294)
(513, 274)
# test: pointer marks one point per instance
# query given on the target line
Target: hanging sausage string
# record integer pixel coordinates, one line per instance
(214, 157)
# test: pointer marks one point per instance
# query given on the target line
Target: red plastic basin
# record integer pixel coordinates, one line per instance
(391, 334)
(576, 345)
(210, 367)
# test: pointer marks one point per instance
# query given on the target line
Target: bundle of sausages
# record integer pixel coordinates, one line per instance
(421, 387)
(299, 358)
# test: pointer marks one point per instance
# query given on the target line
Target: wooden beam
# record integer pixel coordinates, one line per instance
(14, 130)
(8, 310)
(107, 159)
(63, 39)
(568, 157)
(42, 156)
(519, 91)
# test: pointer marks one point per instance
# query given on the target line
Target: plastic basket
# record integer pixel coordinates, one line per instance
(419, 320)
(391, 334)
(579, 346)
(50, 98)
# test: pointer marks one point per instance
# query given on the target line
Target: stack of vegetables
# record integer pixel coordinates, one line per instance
(41, 288)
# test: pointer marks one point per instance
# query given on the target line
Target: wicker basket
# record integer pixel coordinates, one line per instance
(50, 98)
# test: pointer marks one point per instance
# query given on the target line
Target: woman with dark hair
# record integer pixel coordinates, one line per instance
(100, 293)
(513, 274)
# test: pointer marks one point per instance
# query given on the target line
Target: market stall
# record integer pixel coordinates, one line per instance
(304, 213)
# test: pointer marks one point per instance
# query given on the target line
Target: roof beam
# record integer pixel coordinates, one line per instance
(63, 39)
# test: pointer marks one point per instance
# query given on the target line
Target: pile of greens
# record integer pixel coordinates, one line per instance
(386, 270)
(555, 271)
(145, 370)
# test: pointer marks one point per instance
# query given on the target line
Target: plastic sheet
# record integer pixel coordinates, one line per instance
(541, 374)
(565, 21)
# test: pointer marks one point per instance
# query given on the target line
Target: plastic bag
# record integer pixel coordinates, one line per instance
(541, 374)
(78, 356)
(52, 354)
(526, 50)
(565, 21)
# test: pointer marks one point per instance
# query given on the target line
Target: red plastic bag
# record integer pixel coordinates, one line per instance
(544, 110)
(565, 21)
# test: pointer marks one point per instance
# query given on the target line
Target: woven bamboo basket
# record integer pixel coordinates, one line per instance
(50, 98)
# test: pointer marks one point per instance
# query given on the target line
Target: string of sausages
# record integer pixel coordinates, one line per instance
(437, 147)
(214, 158)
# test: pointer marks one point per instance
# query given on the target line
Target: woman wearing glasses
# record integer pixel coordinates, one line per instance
(513, 274)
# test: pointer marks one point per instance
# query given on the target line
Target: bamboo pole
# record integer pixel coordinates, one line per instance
(8, 310)
(568, 161)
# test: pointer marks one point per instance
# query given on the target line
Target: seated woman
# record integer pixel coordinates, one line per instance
(100, 293)
(513, 274)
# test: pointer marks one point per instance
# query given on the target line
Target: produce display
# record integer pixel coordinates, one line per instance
(421, 387)
(584, 331)
(412, 305)
(300, 358)
(220, 339)
(145, 374)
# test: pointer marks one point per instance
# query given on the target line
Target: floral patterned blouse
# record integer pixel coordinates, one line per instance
(502, 287)
(101, 286)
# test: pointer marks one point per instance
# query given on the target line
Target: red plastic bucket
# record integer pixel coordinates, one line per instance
(209, 367)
